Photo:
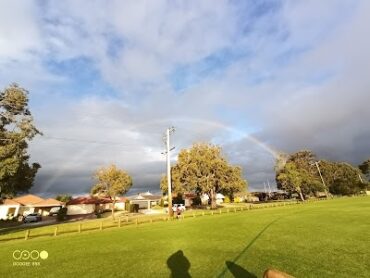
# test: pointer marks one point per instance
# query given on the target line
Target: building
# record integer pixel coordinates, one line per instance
(91, 205)
(145, 200)
(27, 204)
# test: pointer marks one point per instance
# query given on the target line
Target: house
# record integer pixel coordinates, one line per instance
(87, 205)
(27, 204)
(145, 200)
(90, 205)
(120, 203)
(189, 198)
(219, 198)
(204, 198)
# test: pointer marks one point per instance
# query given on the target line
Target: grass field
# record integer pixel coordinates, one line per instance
(321, 239)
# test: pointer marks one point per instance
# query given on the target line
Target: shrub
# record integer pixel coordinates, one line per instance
(227, 199)
(62, 213)
(237, 200)
(134, 208)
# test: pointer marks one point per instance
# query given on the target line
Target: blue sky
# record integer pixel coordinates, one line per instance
(254, 76)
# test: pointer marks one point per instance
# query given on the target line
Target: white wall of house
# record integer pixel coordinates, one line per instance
(3, 211)
(80, 209)
(188, 202)
(26, 210)
(119, 206)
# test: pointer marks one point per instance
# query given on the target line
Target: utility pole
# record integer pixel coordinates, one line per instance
(167, 152)
(322, 179)
(359, 175)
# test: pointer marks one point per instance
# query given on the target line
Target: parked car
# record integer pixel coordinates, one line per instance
(54, 211)
(177, 207)
(32, 217)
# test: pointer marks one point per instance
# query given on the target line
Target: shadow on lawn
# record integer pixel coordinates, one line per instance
(179, 265)
(232, 266)
(237, 271)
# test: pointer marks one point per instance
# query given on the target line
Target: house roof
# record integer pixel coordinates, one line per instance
(28, 199)
(121, 199)
(145, 197)
(10, 202)
(88, 200)
(49, 203)
(190, 195)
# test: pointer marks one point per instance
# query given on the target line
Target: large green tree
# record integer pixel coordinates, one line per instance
(297, 173)
(204, 169)
(342, 178)
(111, 182)
(16, 130)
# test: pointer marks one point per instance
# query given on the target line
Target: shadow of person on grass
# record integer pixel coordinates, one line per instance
(238, 271)
(179, 265)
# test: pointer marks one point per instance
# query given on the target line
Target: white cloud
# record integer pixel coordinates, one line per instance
(300, 80)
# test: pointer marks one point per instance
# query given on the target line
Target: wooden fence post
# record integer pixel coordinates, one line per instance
(27, 235)
(127, 219)
(203, 213)
(234, 209)
(79, 227)
(56, 231)
(193, 214)
(101, 225)
(219, 211)
(136, 222)
(119, 223)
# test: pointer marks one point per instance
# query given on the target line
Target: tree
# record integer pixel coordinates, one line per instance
(365, 168)
(342, 178)
(203, 168)
(16, 130)
(111, 182)
(63, 198)
(297, 173)
(290, 179)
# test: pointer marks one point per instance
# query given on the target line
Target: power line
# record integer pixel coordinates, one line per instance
(78, 140)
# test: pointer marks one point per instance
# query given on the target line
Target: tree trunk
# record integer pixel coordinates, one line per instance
(213, 198)
(301, 195)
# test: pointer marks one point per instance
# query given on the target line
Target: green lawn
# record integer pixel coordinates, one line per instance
(321, 239)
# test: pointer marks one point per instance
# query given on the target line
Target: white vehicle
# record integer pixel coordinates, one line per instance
(175, 206)
(178, 207)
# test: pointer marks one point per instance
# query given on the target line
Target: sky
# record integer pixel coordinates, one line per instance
(106, 78)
